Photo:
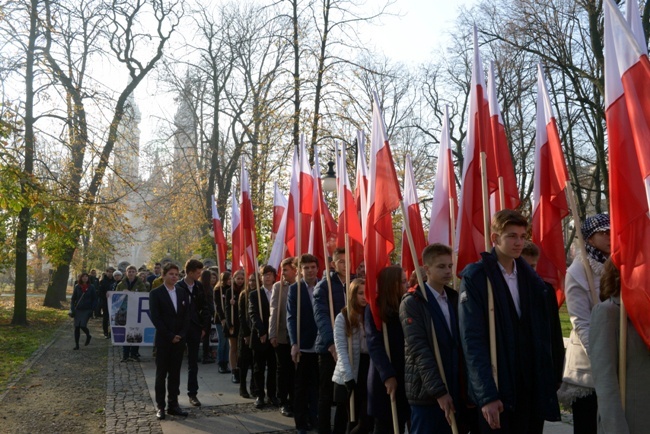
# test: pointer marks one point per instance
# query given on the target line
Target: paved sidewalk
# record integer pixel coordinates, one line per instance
(130, 403)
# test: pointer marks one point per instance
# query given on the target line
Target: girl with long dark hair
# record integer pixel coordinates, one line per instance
(82, 305)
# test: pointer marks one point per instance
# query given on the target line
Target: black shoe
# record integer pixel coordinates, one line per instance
(235, 376)
(195, 401)
(259, 402)
(177, 411)
(223, 368)
(88, 338)
(286, 411)
(275, 401)
(107, 337)
(124, 360)
(207, 360)
(76, 348)
(160, 414)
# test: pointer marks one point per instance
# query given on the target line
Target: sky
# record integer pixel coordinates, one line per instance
(410, 36)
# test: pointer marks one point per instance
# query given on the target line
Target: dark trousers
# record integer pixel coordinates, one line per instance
(207, 352)
(264, 357)
(326, 365)
(245, 360)
(169, 359)
(364, 422)
(193, 366)
(306, 390)
(585, 414)
(428, 419)
(103, 306)
(285, 373)
(130, 351)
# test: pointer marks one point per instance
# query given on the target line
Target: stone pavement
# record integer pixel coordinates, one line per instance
(130, 403)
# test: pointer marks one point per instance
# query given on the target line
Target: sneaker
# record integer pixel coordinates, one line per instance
(195, 401)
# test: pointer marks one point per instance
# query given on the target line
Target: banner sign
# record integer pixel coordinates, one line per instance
(129, 318)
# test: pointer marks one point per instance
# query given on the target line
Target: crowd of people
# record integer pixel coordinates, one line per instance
(486, 358)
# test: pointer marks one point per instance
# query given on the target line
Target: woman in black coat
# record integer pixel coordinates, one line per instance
(386, 374)
(82, 305)
(232, 320)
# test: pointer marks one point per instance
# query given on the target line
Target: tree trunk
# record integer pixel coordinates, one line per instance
(56, 288)
(22, 233)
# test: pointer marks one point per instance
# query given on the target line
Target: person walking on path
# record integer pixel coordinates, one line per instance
(169, 307)
(200, 315)
(82, 306)
(222, 305)
(105, 285)
(135, 284)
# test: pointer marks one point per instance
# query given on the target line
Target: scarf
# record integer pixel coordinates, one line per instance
(595, 254)
(84, 288)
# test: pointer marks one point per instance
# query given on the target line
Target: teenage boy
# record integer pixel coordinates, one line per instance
(170, 314)
(280, 338)
(525, 392)
(131, 283)
(263, 354)
(105, 285)
(304, 354)
(199, 324)
(327, 350)
(432, 401)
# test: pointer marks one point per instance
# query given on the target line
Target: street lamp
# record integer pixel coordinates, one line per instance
(329, 180)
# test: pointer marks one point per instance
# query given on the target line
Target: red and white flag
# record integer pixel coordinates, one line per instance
(293, 214)
(384, 197)
(361, 179)
(349, 222)
(501, 173)
(249, 234)
(627, 102)
(549, 193)
(412, 220)
(279, 205)
(445, 200)
(320, 209)
(219, 238)
(470, 232)
(236, 235)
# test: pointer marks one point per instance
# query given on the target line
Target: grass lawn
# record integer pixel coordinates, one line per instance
(17, 343)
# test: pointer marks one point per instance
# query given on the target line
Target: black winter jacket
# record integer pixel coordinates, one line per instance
(424, 384)
(534, 363)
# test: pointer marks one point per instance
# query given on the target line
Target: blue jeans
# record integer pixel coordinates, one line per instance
(428, 419)
(223, 347)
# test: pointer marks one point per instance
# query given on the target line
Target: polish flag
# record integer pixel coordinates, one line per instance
(249, 237)
(349, 222)
(470, 232)
(279, 205)
(361, 184)
(293, 211)
(413, 219)
(236, 235)
(627, 102)
(279, 248)
(501, 173)
(384, 197)
(219, 238)
(320, 209)
(549, 193)
(442, 226)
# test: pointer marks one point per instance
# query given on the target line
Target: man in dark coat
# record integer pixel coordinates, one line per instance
(524, 393)
(263, 354)
(327, 350)
(105, 285)
(200, 315)
(303, 352)
(170, 314)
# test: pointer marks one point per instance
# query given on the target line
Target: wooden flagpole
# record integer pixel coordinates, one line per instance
(454, 255)
(353, 416)
(436, 347)
(327, 269)
(570, 194)
(490, 291)
(393, 400)
(298, 275)
(622, 354)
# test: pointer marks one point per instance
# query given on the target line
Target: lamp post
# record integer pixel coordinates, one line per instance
(329, 180)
